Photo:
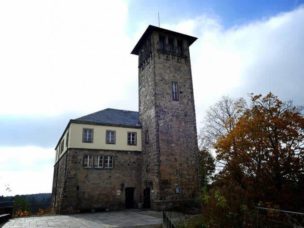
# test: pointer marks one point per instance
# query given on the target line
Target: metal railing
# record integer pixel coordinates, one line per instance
(271, 217)
(6, 207)
(6, 211)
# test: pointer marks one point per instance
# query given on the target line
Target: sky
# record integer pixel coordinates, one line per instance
(62, 59)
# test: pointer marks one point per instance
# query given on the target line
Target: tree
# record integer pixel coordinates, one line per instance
(220, 120)
(267, 146)
(263, 157)
(21, 206)
(207, 167)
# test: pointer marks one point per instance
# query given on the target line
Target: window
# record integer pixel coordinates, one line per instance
(161, 42)
(131, 138)
(175, 96)
(88, 161)
(110, 137)
(67, 140)
(180, 47)
(87, 135)
(147, 137)
(108, 162)
(62, 146)
(170, 44)
(99, 162)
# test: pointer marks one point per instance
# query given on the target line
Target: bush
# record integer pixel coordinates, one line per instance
(21, 207)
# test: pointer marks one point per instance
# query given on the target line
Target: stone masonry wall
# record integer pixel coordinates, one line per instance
(59, 183)
(172, 149)
(90, 188)
(147, 115)
(177, 128)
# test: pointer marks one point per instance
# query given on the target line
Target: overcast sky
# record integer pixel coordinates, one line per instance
(61, 59)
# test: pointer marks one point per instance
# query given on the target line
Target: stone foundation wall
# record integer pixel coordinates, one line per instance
(82, 189)
(59, 183)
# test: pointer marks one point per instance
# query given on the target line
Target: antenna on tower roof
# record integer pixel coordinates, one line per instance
(158, 19)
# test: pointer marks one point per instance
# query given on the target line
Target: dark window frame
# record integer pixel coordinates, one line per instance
(162, 42)
(88, 161)
(87, 137)
(170, 44)
(132, 138)
(180, 48)
(147, 136)
(98, 164)
(110, 137)
(67, 139)
(98, 161)
(62, 146)
(108, 162)
(175, 91)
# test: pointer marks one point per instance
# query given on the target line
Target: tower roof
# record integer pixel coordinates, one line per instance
(151, 29)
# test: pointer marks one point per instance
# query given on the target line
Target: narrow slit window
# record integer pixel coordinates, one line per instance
(170, 44)
(161, 42)
(180, 47)
(147, 137)
(175, 92)
(62, 146)
(67, 140)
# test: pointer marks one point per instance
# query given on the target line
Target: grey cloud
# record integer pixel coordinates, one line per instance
(38, 131)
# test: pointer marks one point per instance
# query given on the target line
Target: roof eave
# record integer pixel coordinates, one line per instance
(105, 124)
(152, 28)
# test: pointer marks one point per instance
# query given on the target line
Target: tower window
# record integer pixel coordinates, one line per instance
(170, 44)
(110, 137)
(180, 47)
(175, 96)
(87, 135)
(161, 42)
(147, 137)
(132, 138)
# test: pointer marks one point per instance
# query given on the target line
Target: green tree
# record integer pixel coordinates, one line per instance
(207, 167)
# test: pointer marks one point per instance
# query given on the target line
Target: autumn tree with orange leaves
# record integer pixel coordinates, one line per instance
(263, 157)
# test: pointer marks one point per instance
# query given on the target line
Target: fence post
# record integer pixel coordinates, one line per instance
(257, 217)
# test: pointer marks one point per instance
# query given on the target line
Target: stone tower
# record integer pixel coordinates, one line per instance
(167, 115)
